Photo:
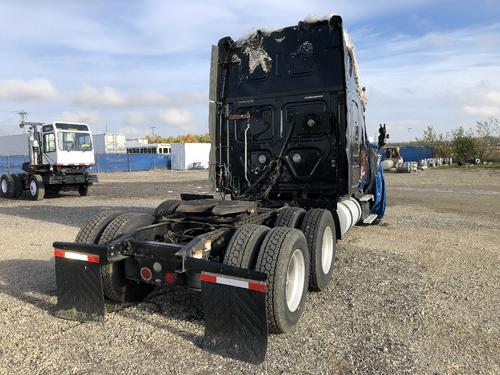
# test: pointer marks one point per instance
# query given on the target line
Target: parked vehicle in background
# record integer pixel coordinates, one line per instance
(60, 158)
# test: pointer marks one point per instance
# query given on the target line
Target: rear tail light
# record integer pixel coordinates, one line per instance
(146, 274)
(170, 278)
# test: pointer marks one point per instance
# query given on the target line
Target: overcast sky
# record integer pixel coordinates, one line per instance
(129, 65)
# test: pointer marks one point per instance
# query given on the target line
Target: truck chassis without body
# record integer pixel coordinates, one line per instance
(289, 148)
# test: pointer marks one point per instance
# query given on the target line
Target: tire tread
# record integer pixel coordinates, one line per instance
(290, 217)
(238, 251)
(267, 262)
(309, 225)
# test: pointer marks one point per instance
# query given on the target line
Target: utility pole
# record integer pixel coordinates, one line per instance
(409, 135)
(153, 132)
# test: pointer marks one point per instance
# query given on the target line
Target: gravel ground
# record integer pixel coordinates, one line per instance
(418, 293)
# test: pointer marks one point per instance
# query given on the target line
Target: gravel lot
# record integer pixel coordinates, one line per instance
(418, 293)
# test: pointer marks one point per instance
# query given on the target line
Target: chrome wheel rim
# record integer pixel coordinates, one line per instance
(327, 250)
(295, 279)
(33, 188)
(4, 186)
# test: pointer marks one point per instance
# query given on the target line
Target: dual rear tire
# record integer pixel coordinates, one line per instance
(282, 254)
(319, 229)
(293, 259)
(11, 185)
(8, 185)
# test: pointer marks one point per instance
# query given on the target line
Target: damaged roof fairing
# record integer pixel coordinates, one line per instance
(257, 56)
(251, 46)
(357, 77)
(253, 57)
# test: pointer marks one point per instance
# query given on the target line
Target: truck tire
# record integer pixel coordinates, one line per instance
(319, 228)
(244, 246)
(83, 190)
(92, 229)
(290, 217)
(19, 179)
(285, 258)
(8, 185)
(36, 188)
(166, 208)
(115, 286)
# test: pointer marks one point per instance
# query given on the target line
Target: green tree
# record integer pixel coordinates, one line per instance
(464, 145)
(441, 145)
(429, 136)
(187, 138)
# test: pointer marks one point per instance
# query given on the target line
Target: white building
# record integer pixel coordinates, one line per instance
(137, 142)
(109, 143)
(190, 155)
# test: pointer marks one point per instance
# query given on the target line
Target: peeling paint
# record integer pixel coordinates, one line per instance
(258, 57)
(304, 48)
(235, 59)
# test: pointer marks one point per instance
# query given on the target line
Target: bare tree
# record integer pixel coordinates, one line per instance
(488, 134)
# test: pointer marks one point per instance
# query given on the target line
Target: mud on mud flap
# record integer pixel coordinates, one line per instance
(79, 286)
(235, 317)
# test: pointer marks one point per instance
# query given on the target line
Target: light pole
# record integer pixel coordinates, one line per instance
(153, 131)
(409, 135)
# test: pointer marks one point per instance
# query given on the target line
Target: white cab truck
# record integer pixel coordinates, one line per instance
(60, 158)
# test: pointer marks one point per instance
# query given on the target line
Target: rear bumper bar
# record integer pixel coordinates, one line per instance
(233, 298)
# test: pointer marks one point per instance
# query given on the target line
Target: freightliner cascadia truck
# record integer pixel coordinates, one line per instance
(292, 170)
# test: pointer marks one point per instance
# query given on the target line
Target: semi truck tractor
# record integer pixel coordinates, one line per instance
(292, 170)
(60, 157)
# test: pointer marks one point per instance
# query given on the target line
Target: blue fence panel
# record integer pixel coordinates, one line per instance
(145, 162)
(163, 161)
(112, 163)
(104, 162)
(140, 162)
(12, 164)
(415, 153)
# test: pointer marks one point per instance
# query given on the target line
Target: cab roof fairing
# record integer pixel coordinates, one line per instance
(252, 43)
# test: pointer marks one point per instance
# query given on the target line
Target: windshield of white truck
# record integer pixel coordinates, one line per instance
(74, 141)
(74, 127)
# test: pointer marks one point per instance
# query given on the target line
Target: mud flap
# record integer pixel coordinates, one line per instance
(235, 317)
(79, 290)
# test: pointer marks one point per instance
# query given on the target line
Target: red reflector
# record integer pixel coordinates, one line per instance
(257, 287)
(146, 274)
(93, 258)
(208, 278)
(170, 278)
(76, 256)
